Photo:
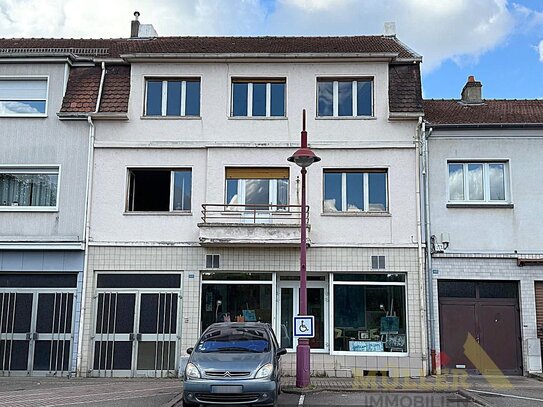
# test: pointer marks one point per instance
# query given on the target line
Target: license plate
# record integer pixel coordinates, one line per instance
(226, 389)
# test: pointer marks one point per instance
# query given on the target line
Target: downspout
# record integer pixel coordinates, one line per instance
(436, 364)
(88, 194)
(420, 255)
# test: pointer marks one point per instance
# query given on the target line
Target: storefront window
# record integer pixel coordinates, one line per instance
(369, 317)
(233, 301)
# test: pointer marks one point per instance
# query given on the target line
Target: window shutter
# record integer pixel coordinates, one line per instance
(256, 173)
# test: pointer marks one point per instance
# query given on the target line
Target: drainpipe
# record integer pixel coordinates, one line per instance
(436, 365)
(420, 255)
(88, 192)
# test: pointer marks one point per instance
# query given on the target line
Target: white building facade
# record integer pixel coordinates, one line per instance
(194, 211)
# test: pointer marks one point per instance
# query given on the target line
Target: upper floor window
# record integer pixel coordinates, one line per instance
(344, 97)
(258, 97)
(173, 97)
(28, 188)
(477, 181)
(159, 190)
(257, 186)
(355, 191)
(23, 97)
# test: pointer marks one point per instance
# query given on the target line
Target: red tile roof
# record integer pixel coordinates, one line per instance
(113, 48)
(491, 111)
(116, 90)
(82, 90)
(404, 88)
(84, 84)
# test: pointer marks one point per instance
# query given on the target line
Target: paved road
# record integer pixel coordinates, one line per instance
(90, 392)
(367, 399)
(510, 397)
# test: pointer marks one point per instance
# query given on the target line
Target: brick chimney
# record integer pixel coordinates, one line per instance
(472, 91)
(135, 25)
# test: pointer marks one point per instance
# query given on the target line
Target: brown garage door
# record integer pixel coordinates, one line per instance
(539, 312)
(478, 321)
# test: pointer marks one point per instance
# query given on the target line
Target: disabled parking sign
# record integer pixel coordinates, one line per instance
(304, 326)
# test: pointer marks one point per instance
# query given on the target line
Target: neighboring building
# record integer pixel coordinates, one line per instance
(43, 173)
(486, 231)
(194, 211)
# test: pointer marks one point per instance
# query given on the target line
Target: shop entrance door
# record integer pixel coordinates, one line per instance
(136, 332)
(36, 334)
(317, 305)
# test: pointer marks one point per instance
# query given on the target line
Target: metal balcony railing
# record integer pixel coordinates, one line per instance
(253, 214)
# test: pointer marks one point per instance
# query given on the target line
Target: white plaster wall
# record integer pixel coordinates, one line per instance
(109, 219)
(486, 229)
(110, 222)
(41, 141)
(215, 125)
(215, 141)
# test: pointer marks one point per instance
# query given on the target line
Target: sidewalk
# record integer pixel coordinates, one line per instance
(434, 384)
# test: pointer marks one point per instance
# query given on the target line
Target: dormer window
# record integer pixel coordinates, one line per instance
(344, 97)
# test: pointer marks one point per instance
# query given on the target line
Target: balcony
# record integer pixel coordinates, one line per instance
(254, 225)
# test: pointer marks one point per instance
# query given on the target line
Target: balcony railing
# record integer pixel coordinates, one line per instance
(253, 214)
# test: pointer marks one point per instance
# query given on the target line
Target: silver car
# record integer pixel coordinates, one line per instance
(234, 363)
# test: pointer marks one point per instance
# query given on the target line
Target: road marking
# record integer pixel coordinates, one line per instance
(301, 401)
(505, 395)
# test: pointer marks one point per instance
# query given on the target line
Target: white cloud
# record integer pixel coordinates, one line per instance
(461, 30)
(541, 50)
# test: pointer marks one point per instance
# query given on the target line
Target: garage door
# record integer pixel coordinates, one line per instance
(539, 312)
(478, 321)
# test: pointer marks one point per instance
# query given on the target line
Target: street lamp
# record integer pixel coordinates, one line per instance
(303, 157)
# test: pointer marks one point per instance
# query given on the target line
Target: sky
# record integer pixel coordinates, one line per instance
(500, 42)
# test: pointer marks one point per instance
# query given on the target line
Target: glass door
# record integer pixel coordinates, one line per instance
(115, 334)
(15, 332)
(317, 305)
(136, 334)
(157, 334)
(53, 333)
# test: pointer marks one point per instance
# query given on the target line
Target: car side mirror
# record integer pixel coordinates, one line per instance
(189, 350)
(281, 352)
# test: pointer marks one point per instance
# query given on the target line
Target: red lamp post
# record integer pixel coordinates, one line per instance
(303, 157)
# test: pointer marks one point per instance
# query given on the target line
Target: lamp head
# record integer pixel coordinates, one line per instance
(304, 157)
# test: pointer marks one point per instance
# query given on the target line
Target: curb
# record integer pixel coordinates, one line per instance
(296, 390)
(475, 398)
(537, 376)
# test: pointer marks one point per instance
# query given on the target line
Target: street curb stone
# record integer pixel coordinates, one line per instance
(476, 399)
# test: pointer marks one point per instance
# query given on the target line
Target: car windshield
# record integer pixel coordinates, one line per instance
(235, 340)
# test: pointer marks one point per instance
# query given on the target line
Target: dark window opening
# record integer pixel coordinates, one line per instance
(151, 190)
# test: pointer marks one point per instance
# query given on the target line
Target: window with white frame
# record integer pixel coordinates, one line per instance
(159, 190)
(258, 97)
(29, 187)
(173, 97)
(478, 182)
(344, 97)
(257, 186)
(355, 191)
(23, 97)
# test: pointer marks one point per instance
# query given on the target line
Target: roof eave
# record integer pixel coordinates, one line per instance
(405, 115)
(109, 115)
(482, 126)
(160, 57)
(72, 115)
